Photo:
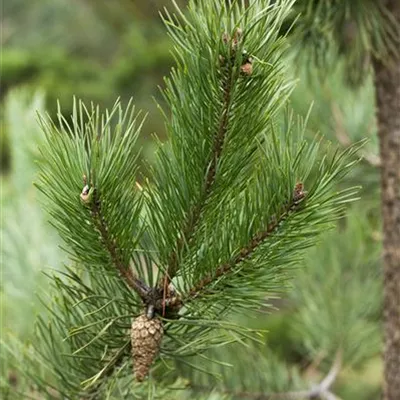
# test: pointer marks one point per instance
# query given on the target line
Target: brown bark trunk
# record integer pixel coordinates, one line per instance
(387, 82)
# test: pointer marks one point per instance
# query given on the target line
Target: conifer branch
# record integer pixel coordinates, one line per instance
(125, 271)
(210, 174)
(320, 391)
(175, 215)
(115, 362)
(247, 251)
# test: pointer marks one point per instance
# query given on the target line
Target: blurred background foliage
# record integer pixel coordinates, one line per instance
(53, 50)
(96, 51)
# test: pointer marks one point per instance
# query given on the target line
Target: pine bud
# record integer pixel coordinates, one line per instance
(85, 194)
(298, 193)
(247, 68)
(225, 38)
(236, 38)
(146, 336)
(87, 191)
(238, 34)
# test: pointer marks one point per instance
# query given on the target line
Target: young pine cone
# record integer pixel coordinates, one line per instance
(146, 336)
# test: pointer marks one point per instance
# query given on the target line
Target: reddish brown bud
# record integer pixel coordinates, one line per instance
(298, 192)
(247, 68)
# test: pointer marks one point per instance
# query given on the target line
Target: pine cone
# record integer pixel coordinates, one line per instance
(146, 336)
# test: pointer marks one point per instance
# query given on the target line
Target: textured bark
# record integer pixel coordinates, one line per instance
(387, 81)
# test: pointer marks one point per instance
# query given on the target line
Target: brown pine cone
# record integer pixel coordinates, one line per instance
(146, 336)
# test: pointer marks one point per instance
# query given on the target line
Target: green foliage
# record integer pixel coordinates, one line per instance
(96, 151)
(34, 247)
(334, 306)
(352, 31)
(339, 304)
(257, 171)
(344, 115)
(17, 66)
(94, 51)
(29, 245)
(221, 221)
(104, 151)
(242, 369)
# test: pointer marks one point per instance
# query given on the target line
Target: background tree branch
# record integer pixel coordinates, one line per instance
(320, 391)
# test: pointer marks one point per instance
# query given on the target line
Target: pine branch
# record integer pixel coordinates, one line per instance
(247, 251)
(104, 145)
(125, 271)
(320, 391)
(351, 31)
(257, 242)
(212, 93)
(116, 361)
(210, 174)
(224, 172)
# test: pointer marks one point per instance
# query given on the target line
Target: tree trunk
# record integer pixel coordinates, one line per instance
(387, 82)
